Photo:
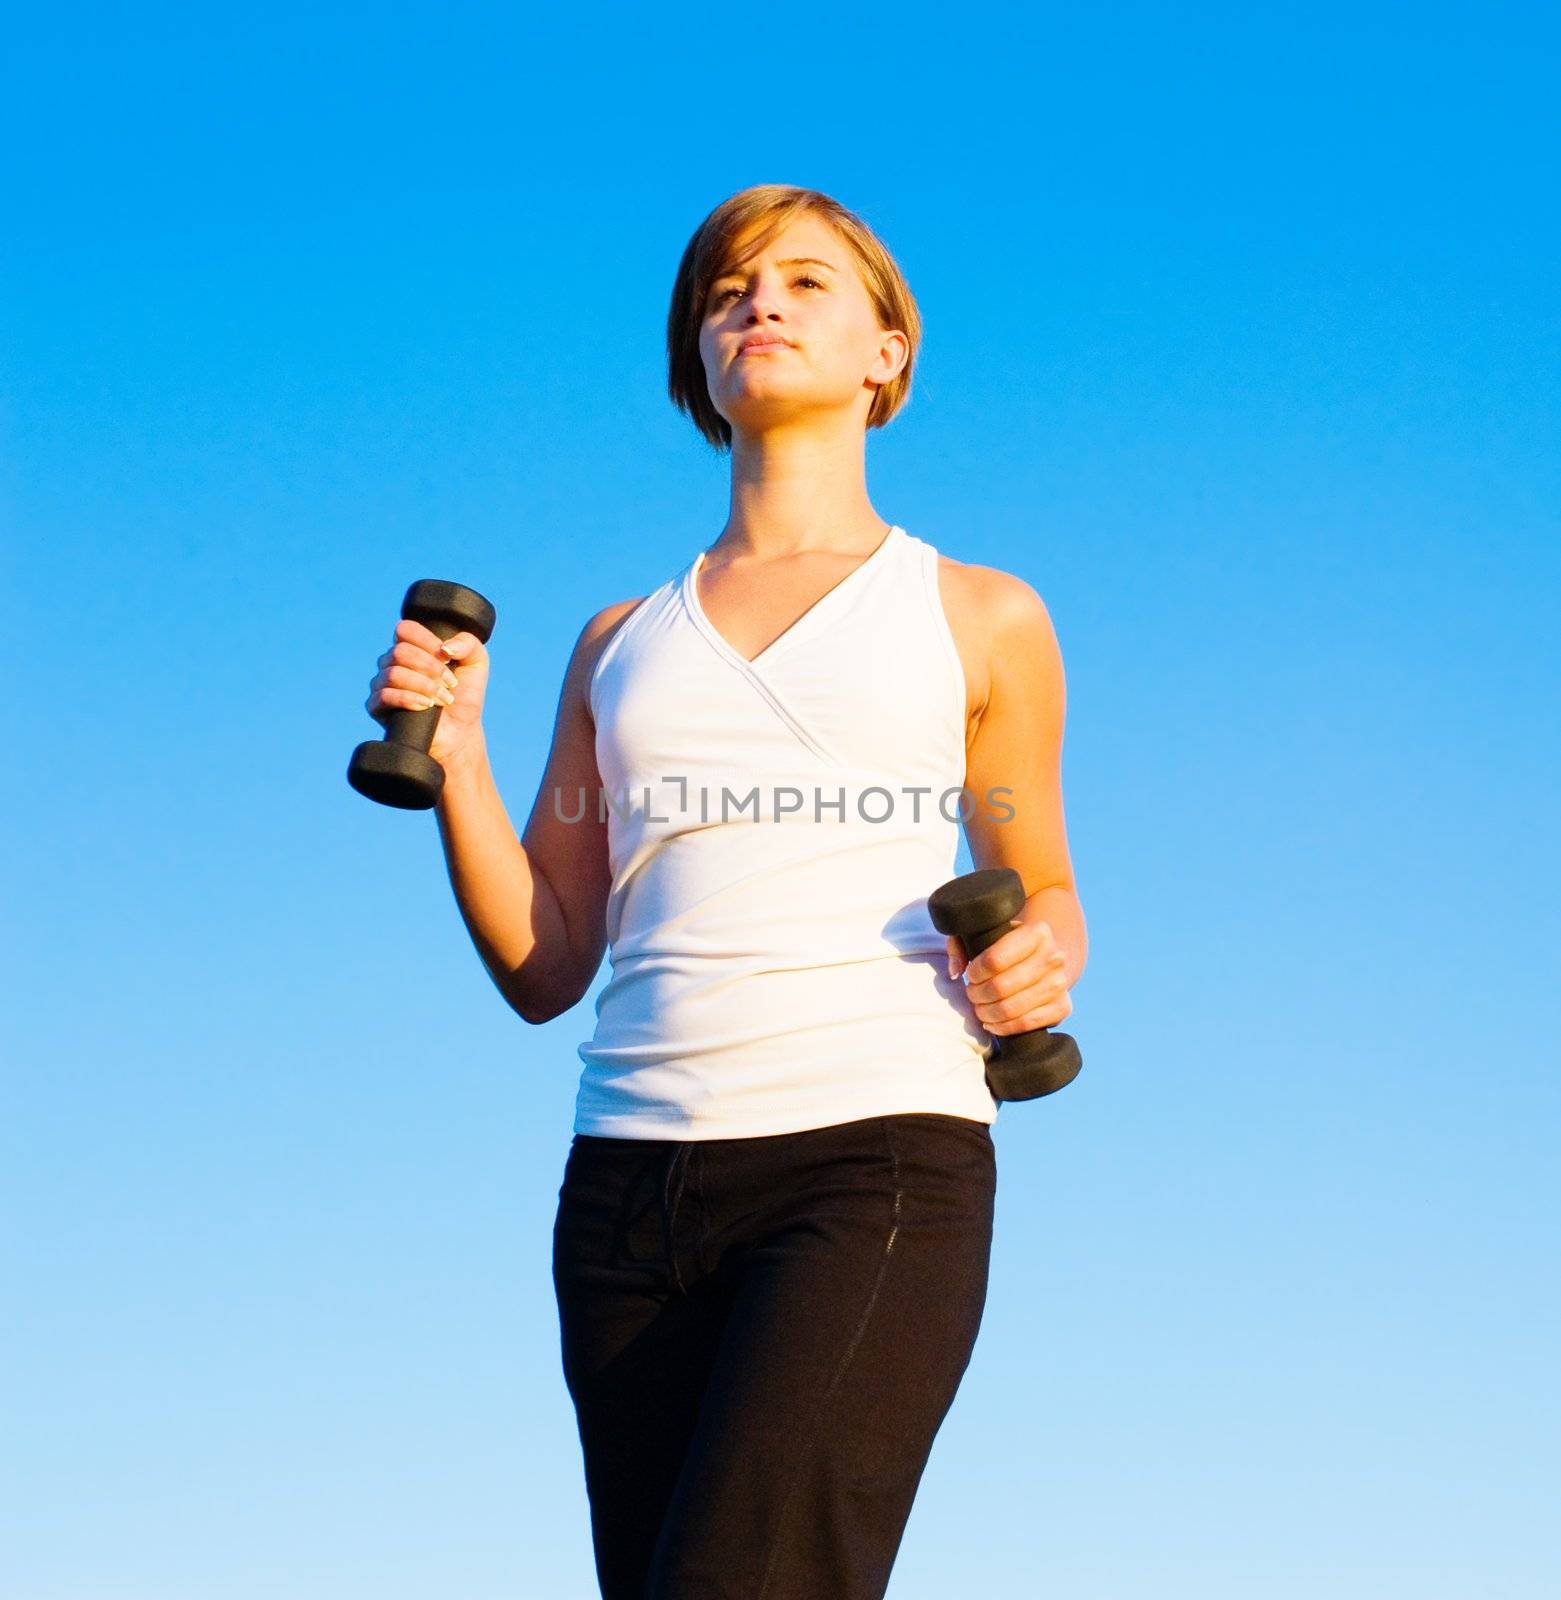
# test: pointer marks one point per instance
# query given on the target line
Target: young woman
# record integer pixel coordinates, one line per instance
(772, 1240)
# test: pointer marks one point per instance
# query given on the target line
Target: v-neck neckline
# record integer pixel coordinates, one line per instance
(824, 602)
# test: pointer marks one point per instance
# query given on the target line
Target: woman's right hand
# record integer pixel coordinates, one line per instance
(421, 670)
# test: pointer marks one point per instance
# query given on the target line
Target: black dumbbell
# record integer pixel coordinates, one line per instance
(978, 909)
(398, 770)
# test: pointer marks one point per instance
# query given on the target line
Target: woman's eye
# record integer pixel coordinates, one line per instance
(721, 296)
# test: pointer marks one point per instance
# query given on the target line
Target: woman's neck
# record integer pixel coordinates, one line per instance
(798, 492)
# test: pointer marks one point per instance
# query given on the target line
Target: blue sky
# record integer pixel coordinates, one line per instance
(1241, 347)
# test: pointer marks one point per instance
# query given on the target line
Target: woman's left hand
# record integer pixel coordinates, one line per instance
(1017, 983)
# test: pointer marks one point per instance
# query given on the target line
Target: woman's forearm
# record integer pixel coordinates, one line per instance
(509, 907)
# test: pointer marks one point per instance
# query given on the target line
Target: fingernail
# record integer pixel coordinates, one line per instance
(449, 679)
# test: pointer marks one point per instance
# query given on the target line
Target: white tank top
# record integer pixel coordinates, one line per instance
(774, 830)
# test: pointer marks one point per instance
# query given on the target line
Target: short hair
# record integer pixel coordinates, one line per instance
(763, 210)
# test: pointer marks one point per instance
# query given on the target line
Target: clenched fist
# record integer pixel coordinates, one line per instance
(1018, 982)
(421, 670)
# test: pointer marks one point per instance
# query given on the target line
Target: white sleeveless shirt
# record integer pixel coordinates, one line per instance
(774, 830)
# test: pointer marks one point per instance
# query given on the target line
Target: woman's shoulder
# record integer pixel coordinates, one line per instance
(987, 595)
(601, 625)
(988, 610)
(591, 642)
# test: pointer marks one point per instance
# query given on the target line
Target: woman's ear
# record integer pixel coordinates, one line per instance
(894, 350)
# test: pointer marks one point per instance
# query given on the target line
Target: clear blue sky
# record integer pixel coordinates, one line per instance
(1242, 341)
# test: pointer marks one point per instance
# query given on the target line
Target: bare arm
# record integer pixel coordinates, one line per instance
(1016, 751)
(535, 906)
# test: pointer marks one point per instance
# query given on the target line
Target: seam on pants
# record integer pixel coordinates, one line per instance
(677, 1161)
(696, 1173)
(844, 1362)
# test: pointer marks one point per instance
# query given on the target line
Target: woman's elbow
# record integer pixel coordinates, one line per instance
(539, 1002)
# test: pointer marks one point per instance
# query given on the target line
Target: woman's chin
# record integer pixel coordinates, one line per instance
(756, 410)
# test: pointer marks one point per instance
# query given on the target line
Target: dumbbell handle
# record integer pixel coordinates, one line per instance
(415, 730)
(978, 908)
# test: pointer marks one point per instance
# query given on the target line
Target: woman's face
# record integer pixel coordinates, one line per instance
(823, 350)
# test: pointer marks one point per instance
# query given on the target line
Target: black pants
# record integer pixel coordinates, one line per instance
(761, 1338)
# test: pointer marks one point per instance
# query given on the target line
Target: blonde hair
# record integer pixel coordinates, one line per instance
(763, 211)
